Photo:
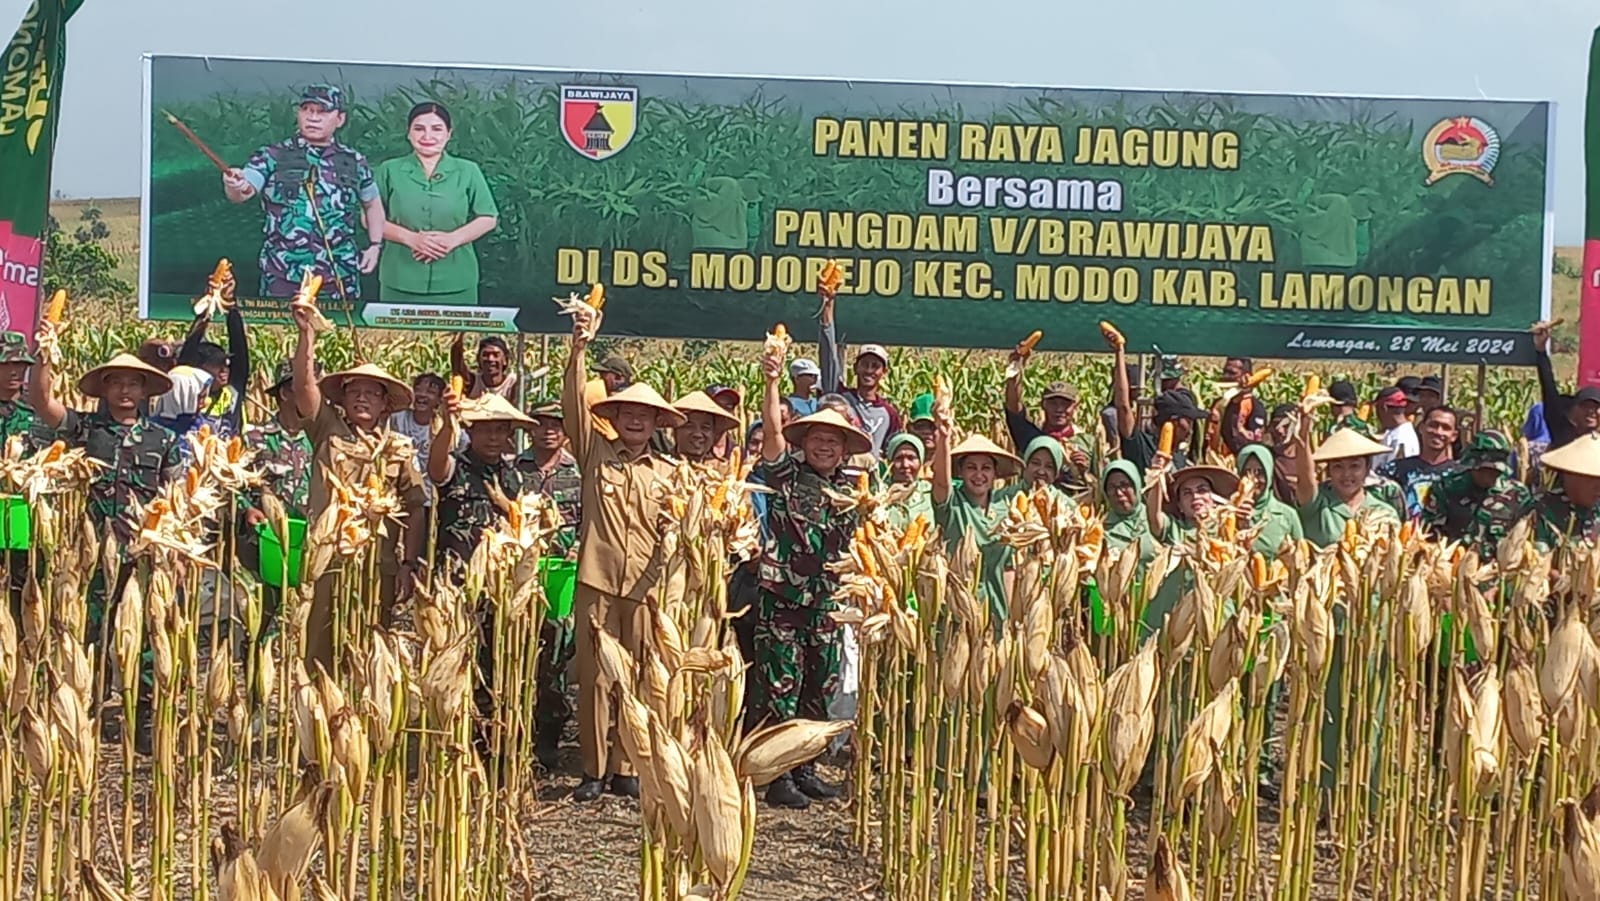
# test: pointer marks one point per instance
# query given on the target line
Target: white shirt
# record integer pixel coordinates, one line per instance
(1401, 441)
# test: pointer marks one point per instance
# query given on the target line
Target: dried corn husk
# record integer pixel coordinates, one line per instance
(718, 808)
(771, 751)
(1130, 720)
(95, 886)
(288, 846)
(1580, 847)
(1166, 882)
(1227, 656)
(1522, 707)
(1207, 732)
(672, 776)
(1030, 733)
(38, 746)
(1570, 650)
(219, 682)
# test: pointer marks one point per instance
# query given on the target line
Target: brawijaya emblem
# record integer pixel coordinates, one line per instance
(1464, 145)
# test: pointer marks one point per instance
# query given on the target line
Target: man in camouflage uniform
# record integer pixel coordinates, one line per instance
(283, 457)
(548, 468)
(16, 416)
(1569, 510)
(1480, 500)
(138, 456)
(311, 186)
(467, 481)
(797, 643)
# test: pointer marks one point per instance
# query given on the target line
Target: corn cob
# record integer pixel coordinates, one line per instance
(1313, 386)
(1255, 379)
(58, 306)
(1112, 335)
(597, 296)
(831, 278)
(1030, 342)
(1164, 444)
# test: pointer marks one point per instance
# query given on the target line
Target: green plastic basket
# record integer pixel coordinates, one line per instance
(560, 578)
(272, 555)
(16, 523)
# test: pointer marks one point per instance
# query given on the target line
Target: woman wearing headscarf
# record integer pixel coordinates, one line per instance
(906, 456)
(1126, 520)
(1178, 507)
(973, 504)
(1275, 520)
(1043, 462)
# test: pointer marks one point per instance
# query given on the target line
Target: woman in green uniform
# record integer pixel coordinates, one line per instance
(1178, 505)
(1126, 520)
(1043, 460)
(906, 454)
(1275, 520)
(437, 206)
(1325, 508)
(975, 505)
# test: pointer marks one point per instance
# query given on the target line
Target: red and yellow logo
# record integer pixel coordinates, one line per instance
(598, 121)
(1463, 145)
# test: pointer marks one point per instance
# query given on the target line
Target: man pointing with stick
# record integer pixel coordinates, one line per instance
(310, 186)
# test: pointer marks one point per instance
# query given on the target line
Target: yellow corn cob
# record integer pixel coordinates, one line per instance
(831, 278)
(457, 385)
(514, 517)
(1164, 445)
(597, 296)
(1313, 385)
(1030, 342)
(1258, 568)
(863, 483)
(58, 306)
(1112, 334)
(1254, 379)
(1364, 411)
(780, 330)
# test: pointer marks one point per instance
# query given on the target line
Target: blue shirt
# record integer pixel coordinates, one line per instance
(802, 406)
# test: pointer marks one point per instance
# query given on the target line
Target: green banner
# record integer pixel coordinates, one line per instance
(30, 98)
(1589, 291)
(1268, 225)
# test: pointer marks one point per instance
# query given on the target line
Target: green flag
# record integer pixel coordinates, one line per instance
(30, 99)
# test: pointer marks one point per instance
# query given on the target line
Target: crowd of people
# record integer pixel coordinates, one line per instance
(1168, 468)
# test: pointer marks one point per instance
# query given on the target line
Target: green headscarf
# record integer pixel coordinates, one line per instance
(1277, 520)
(903, 439)
(1045, 442)
(1123, 529)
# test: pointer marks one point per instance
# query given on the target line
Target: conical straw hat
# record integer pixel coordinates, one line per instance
(492, 407)
(1580, 457)
(855, 440)
(93, 383)
(701, 402)
(334, 383)
(1223, 482)
(1006, 464)
(1344, 444)
(642, 394)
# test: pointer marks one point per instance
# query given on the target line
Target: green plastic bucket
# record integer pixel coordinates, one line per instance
(1447, 634)
(560, 578)
(1098, 621)
(272, 569)
(16, 523)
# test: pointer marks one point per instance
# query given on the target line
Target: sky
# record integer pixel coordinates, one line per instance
(1537, 50)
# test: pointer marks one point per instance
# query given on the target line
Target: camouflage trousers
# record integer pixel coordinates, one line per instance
(797, 652)
(557, 647)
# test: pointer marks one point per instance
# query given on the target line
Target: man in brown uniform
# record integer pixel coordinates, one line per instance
(618, 548)
(338, 411)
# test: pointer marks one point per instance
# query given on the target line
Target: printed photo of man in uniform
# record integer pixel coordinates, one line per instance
(316, 192)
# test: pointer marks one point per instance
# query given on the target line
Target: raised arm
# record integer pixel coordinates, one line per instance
(42, 395)
(828, 347)
(441, 465)
(773, 445)
(1549, 391)
(192, 340)
(941, 458)
(1154, 493)
(576, 418)
(238, 353)
(1305, 468)
(1013, 398)
(303, 380)
(1121, 394)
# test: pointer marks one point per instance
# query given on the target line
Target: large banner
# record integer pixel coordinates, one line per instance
(1589, 302)
(30, 113)
(1267, 225)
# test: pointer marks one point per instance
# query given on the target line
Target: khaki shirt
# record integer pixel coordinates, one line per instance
(594, 391)
(619, 539)
(330, 432)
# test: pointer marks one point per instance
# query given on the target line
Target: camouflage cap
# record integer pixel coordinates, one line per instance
(1171, 368)
(14, 348)
(546, 408)
(327, 96)
(1489, 449)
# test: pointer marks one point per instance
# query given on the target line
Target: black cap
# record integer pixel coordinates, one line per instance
(1409, 384)
(616, 365)
(1587, 393)
(1283, 410)
(1431, 383)
(1343, 393)
(1395, 396)
(1178, 404)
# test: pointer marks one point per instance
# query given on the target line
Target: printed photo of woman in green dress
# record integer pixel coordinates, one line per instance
(437, 206)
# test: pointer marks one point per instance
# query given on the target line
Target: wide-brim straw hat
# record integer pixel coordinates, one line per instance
(492, 407)
(398, 392)
(93, 383)
(1006, 464)
(701, 402)
(855, 440)
(1579, 457)
(1345, 444)
(1223, 482)
(643, 395)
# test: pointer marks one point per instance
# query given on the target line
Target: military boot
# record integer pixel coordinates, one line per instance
(783, 793)
(806, 779)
